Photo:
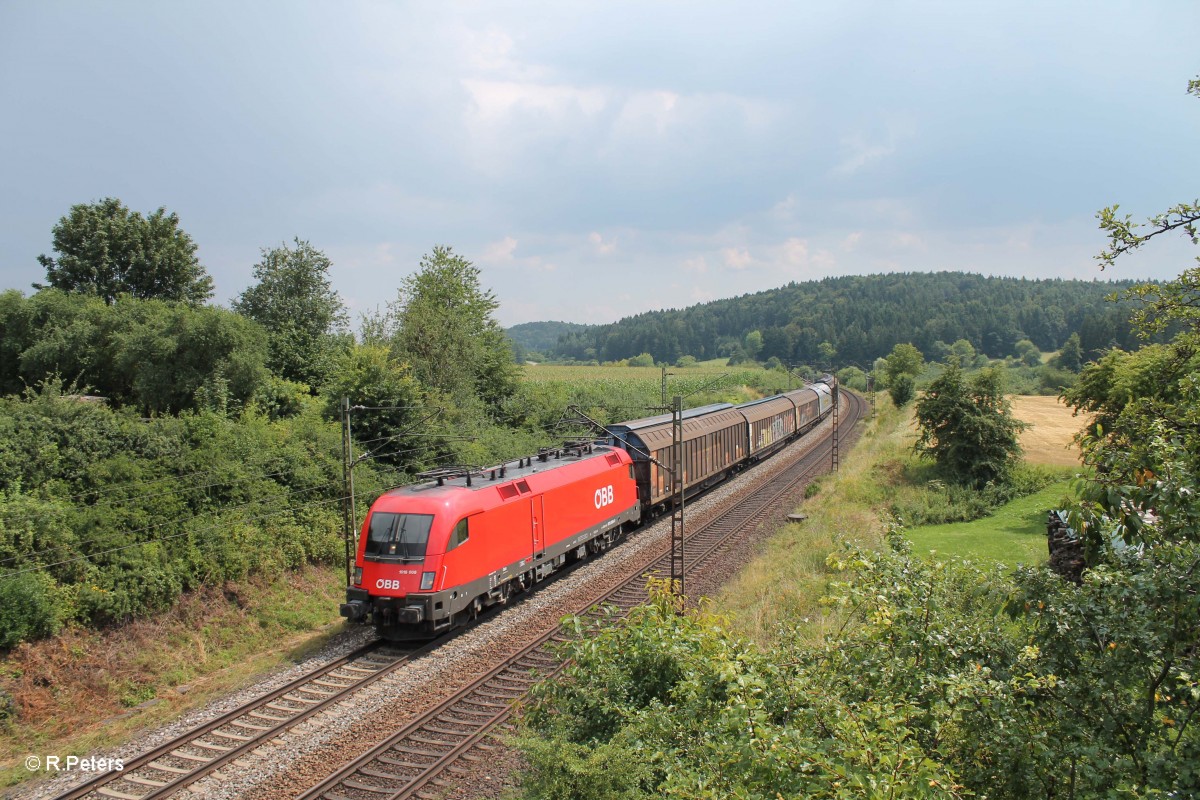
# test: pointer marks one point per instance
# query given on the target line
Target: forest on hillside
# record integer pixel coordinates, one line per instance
(845, 320)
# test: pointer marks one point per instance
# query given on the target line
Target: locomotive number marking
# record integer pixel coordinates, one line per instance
(384, 583)
(604, 496)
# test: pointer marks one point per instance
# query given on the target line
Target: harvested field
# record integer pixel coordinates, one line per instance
(1052, 426)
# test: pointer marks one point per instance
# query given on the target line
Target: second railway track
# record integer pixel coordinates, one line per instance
(201, 751)
(411, 762)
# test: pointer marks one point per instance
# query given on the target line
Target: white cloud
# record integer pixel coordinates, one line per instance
(795, 252)
(496, 101)
(824, 260)
(860, 153)
(500, 251)
(602, 247)
(850, 243)
(698, 265)
(736, 259)
(908, 241)
(785, 209)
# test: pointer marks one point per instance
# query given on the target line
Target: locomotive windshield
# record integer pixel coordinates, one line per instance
(398, 536)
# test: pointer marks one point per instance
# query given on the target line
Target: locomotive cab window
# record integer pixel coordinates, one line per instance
(399, 537)
(458, 535)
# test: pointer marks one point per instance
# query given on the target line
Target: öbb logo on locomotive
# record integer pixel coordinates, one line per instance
(433, 554)
(604, 496)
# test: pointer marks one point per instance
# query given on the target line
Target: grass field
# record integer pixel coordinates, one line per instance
(1015, 534)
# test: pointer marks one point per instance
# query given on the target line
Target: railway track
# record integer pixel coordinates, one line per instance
(413, 761)
(206, 748)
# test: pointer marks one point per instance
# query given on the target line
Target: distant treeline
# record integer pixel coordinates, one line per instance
(859, 319)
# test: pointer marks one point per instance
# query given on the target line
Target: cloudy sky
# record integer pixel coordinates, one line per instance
(597, 159)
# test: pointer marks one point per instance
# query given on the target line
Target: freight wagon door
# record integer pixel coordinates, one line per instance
(539, 535)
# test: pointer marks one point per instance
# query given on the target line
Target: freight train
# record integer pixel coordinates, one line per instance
(434, 554)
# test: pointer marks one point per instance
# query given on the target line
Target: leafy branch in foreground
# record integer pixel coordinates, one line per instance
(947, 680)
(1143, 444)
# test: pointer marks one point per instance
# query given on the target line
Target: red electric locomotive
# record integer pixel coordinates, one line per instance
(435, 553)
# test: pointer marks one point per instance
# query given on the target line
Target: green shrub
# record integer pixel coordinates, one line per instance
(121, 515)
(26, 609)
(945, 680)
(902, 389)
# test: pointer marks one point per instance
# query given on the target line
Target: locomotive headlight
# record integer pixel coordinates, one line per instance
(427, 581)
(358, 576)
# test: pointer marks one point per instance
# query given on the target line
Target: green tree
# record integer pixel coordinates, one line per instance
(967, 427)
(151, 354)
(965, 352)
(390, 422)
(753, 343)
(642, 360)
(902, 389)
(302, 313)
(1070, 356)
(444, 328)
(853, 377)
(1027, 353)
(827, 352)
(905, 359)
(104, 249)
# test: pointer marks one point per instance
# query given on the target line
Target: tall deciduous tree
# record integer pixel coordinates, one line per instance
(905, 359)
(391, 426)
(967, 427)
(107, 250)
(445, 329)
(302, 313)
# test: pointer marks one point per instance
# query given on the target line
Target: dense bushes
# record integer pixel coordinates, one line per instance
(105, 515)
(927, 500)
(945, 681)
(153, 355)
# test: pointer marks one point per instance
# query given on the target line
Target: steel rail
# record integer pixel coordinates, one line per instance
(255, 722)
